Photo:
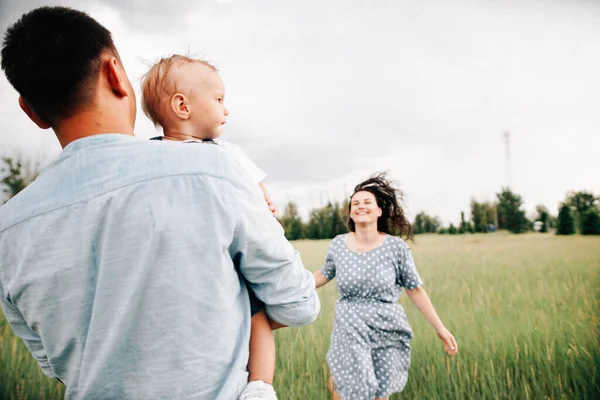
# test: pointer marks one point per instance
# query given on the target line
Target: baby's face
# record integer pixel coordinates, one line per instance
(206, 95)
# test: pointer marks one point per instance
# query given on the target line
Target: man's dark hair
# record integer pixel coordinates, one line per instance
(51, 56)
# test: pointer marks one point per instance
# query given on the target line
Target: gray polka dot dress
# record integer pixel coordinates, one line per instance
(369, 354)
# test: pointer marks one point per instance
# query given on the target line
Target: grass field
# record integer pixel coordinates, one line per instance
(524, 309)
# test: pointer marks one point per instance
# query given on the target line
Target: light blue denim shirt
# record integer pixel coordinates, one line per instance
(121, 265)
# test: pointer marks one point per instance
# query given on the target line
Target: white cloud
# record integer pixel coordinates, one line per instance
(323, 94)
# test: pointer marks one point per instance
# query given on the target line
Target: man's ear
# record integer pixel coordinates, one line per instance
(115, 80)
(180, 106)
(32, 115)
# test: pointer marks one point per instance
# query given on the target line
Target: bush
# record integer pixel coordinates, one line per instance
(590, 222)
(565, 224)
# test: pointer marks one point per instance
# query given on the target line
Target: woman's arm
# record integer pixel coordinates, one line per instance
(320, 279)
(420, 299)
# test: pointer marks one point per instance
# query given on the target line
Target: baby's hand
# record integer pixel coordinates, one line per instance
(271, 205)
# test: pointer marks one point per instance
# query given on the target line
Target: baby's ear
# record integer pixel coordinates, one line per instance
(181, 106)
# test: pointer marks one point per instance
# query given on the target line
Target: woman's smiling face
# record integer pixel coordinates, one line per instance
(364, 208)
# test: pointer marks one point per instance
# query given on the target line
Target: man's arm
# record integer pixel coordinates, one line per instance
(269, 263)
(29, 337)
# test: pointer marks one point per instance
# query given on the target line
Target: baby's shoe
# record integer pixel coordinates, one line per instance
(258, 390)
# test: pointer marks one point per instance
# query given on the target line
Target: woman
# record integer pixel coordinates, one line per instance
(369, 354)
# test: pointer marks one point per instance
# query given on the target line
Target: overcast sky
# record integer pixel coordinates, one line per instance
(323, 93)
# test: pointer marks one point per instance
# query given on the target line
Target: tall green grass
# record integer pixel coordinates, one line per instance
(524, 310)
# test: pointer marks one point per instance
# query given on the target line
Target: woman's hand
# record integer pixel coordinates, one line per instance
(420, 298)
(450, 345)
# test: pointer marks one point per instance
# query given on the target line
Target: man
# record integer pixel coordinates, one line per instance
(119, 266)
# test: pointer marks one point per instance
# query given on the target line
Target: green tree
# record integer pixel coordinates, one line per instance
(483, 215)
(580, 202)
(325, 222)
(590, 222)
(501, 218)
(327, 219)
(292, 223)
(510, 212)
(315, 229)
(543, 215)
(345, 212)
(17, 173)
(424, 223)
(464, 225)
(565, 224)
(452, 230)
(338, 225)
(478, 216)
(491, 215)
(551, 221)
(432, 224)
(419, 223)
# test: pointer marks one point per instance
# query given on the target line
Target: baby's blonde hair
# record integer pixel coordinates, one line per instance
(157, 89)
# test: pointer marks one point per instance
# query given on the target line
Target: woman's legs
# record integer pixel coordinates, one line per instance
(334, 394)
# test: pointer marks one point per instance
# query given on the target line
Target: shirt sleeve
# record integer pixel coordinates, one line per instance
(269, 263)
(257, 174)
(407, 275)
(29, 337)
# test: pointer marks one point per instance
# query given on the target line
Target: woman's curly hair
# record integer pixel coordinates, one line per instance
(393, 220)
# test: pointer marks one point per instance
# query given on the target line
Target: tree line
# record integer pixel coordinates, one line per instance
(578, 213)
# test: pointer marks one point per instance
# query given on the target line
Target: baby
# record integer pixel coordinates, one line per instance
(186, 97)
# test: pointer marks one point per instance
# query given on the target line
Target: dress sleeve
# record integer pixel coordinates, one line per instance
(407, 275)
(328, 269)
